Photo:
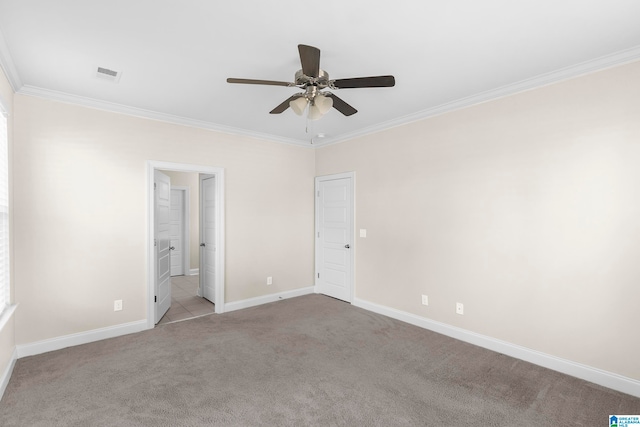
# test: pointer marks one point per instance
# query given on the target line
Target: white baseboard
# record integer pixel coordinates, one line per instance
(194, 272)
(252, 302)
(594, 375)
(58, 343)
(6, 375)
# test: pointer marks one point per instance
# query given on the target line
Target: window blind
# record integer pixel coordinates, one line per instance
(4, 212)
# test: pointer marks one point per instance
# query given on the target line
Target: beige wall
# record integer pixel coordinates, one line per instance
(526, 209)
(7, 332)
(191, 180)
(81, 215)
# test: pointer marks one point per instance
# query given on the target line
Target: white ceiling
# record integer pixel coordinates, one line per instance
(175, 56)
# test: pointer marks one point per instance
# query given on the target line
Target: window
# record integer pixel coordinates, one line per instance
(4, 211)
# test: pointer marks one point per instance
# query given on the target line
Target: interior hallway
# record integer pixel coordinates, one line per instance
(185, 302)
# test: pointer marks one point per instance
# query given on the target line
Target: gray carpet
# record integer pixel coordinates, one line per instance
(310, 360)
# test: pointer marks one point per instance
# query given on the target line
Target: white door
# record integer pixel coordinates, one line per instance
(162, 188)
(334, 231)
(176, 232)
(208, 237)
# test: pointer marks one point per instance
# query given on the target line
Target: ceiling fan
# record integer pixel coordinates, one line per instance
(313, 80)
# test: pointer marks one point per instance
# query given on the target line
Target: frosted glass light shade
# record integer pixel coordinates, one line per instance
(298, 105)
(324, 103)
(314, 112)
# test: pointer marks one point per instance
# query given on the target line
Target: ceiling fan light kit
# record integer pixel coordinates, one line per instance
(313, 80)
(319, 105)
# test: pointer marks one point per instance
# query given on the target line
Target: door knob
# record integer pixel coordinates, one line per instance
(171, 248)
(347, 246)
(203, 245)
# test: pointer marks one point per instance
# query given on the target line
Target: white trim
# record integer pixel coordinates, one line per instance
(65, 341)
(265, 299)
(152, 165)
(8, 66)
(594, 65)
(6, 375)
(186, 232)
(352, 252)
(153, 115)
(598, 64)
(588, 373)
(194, 272)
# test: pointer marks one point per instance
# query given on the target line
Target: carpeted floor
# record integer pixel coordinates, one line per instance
(310, 360)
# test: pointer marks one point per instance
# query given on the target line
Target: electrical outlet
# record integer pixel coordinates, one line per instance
(269, 280)
(117, 305)
(425, 300)
(459, 308)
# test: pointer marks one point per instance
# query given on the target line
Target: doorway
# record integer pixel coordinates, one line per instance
(218, 223)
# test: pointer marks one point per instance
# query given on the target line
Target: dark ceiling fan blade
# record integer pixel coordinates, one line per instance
(356, 82)
(282, 107)
(340, 105)
(310, 60)
(259, 82)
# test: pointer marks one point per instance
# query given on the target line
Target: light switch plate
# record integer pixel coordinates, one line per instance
(363, 232)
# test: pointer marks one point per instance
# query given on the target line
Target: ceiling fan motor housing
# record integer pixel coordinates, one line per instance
(321, 81)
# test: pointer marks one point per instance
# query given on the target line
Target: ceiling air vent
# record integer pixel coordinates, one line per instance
(107, 74)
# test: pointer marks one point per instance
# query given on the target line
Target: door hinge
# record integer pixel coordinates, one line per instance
(154, 185)
(318, 275)
(155, 298)
(318, 193)
(155, 242)
(318, 234)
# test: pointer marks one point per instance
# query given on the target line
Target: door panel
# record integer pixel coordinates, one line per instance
(208, 233)
(162, 244)
(334, 224)
(176, 232)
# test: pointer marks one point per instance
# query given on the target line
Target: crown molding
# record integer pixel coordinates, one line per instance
(153, 115)
(587, 67)
(7, 65)
(598, 64)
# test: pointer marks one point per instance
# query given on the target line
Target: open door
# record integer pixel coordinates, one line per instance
(162, 196)
(208, 237)
(178, 232)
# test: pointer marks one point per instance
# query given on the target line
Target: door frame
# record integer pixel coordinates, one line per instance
(152, 165)
(352, 232)
(186, 241)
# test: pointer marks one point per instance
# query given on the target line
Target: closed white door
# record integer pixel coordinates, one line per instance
(176, 232)
(162, 189)
(334, 231)
(208, 238)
